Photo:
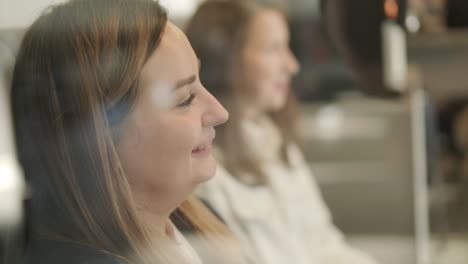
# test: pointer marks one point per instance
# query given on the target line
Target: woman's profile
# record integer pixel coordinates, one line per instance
(113, 130)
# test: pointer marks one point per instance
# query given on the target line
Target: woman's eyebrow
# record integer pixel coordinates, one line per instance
(184, 82)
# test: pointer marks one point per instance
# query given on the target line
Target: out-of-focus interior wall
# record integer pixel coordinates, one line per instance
(21, 13)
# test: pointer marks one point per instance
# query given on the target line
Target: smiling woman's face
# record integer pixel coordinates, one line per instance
(267, 63)
(165, 144)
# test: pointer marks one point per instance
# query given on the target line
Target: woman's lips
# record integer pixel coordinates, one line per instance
(283, 87)
(203, 150)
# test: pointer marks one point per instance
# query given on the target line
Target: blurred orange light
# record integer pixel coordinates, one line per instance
(391, 9)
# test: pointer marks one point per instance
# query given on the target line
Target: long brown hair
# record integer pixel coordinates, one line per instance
(75, 79)
(217, 32)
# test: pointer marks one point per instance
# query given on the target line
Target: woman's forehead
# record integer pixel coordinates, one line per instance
(172, 60)
(267, 22)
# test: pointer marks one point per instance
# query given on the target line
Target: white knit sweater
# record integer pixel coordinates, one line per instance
(286, 221)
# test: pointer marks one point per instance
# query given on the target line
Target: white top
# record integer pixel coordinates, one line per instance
(286, 221)
(186, 249)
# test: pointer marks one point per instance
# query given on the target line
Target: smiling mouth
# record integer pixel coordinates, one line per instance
(284, 84)
(203, 150)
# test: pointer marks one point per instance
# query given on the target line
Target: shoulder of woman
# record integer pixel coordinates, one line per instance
(295, 154)
(49, 251)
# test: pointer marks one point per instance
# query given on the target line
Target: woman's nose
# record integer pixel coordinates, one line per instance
(291, 62)
(215, 113)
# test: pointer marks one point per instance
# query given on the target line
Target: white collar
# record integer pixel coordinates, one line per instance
(263, 139)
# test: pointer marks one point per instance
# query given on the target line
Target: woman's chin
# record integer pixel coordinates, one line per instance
(206, 170)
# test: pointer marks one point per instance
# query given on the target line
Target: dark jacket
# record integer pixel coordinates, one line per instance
(48, 251)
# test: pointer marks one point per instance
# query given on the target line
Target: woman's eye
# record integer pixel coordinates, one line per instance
(276, 46)
(188, 101)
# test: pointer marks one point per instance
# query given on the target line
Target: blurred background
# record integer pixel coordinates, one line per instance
(394, 172)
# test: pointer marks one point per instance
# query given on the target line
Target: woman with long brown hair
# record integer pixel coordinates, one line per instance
(113, 131)
(267, 194)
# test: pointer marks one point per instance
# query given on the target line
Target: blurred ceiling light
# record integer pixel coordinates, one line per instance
(10, 179)
(180, 8)
(412, 23)
(391, 9)
(11, 192)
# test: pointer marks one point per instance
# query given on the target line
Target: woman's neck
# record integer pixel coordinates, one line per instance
(158, 224)
(250, 112)
(155, 216)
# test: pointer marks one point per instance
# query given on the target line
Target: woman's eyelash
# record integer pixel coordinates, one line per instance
(188, 101)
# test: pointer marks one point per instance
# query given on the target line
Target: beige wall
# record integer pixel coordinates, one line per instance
(21, 13)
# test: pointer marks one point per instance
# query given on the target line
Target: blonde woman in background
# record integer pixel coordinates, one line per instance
(113, 131)
(266, 194)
